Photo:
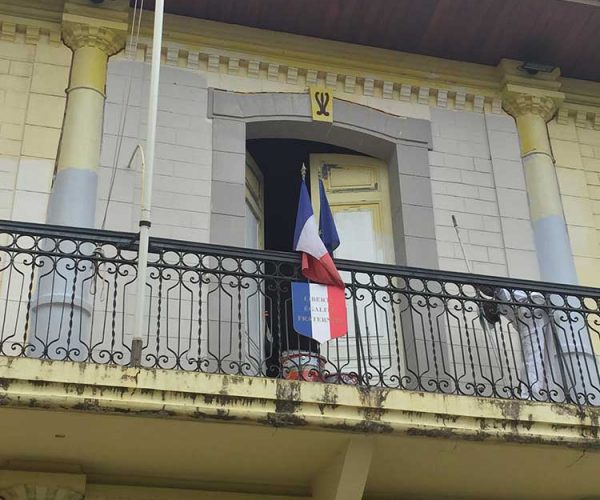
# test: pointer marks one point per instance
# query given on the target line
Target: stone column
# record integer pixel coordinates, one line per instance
(73, 198)
(61, 326)
(532, 111)
(566, 336)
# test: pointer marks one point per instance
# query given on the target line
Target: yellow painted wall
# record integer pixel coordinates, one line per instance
(33, 79)
(576, 150)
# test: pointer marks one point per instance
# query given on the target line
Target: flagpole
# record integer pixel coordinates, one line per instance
(146, 203)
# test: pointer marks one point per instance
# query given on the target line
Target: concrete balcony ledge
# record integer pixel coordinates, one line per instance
(166, 434)
(56, 385)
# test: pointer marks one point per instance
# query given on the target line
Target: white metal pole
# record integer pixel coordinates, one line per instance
(145, 218)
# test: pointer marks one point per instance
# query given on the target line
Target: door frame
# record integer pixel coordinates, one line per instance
(402, 143)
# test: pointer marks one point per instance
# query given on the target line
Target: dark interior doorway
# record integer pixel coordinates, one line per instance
(280, 161)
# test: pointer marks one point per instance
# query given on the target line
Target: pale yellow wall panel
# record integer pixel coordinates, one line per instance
(40, 142)
(10, 147)
(45, 110)
(33, 80)
(588, 271)
(13, 114)
(53, 54)
(566, 132)
(591, 164)
(584, 241)
(578, 211)
(587, 151)
(21, 68)
(11, 131)
(17, 51)
(50, 79)
(577, 153)
(572, 182)
(14, 82)
(566, 153)
(17, 99)
(588, 136)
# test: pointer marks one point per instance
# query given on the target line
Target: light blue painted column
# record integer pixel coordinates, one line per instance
(60, 320)
(567, 335)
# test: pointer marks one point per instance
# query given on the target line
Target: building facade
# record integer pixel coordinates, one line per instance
(466, 189)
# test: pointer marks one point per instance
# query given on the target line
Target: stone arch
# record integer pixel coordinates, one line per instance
(401, 142)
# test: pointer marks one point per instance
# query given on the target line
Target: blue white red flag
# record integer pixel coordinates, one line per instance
(317, 264)
(319, 311)
(327, 228)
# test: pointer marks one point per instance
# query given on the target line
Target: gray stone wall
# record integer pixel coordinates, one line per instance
(183, 165)
(477, 175)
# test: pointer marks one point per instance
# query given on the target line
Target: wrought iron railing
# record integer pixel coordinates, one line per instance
(68, 294)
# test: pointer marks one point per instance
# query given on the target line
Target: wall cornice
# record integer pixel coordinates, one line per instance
(301, 61)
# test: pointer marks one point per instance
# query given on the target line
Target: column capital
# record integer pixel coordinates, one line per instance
(33, 491)
(519, 100)
(76, 35)
(102, 26)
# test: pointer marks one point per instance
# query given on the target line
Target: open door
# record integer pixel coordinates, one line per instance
(254, 298)
(358, 193)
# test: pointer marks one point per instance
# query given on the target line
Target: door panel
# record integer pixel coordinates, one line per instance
(254, 294)
(358, 193)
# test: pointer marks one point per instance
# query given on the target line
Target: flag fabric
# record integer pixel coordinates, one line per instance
(319, 311)
(327, 228)
(317, 264)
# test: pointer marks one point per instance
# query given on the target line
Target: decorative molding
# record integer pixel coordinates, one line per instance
(273, 71)
(460, 100)
(477, 89)
(292, 75)
(213, 62)
(32, 34)
(172, 56)
(496, 106)
(388, 90)
(36, 492)
(516, 104)
(331, 80)
(233, 65)
(311, 76)
(350, 84)
(253, 68)
(562, 117)
(581, 118)
(77, 35)
(405, 92)
(368, 86)
(455, 85)
(442, 99)
(423, 95)
(478, 103)
(193, 60)
(8, 31)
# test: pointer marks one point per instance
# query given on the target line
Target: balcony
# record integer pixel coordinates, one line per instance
(439, 370)
(68, 295)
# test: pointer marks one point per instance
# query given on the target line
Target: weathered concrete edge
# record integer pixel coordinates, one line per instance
(30, 383)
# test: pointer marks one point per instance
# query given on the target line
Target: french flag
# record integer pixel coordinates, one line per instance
(317, 264)
(319, 311)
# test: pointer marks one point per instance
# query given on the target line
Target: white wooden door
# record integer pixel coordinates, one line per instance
(358, 193)
(254, 300)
